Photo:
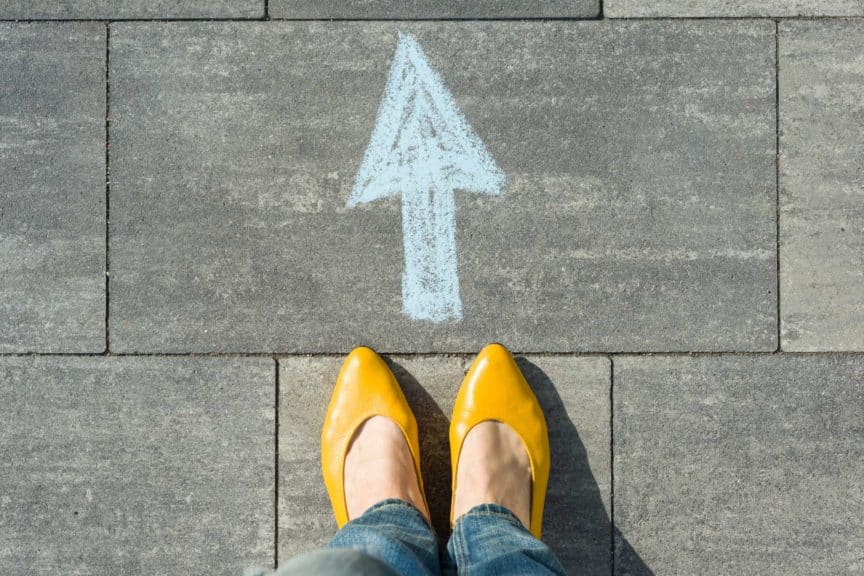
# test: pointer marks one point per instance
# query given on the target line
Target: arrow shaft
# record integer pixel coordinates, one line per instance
(430, 284)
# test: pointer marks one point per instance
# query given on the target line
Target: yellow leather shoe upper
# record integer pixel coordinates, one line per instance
(495, 389)
(364, 388)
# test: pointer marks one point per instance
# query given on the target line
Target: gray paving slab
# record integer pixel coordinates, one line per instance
(740, 464)
(639, 212)
(575, 395)
(120, 9)
(52, 201)
(402, 9)
(821, 190)
(730, 8)
(136, 465)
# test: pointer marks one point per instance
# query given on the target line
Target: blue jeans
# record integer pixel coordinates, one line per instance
(392, 538)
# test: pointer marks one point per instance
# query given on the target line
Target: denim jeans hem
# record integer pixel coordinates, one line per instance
(395, 532)
(393, 537)
(489, 540)
(396, 504)
(494, 510)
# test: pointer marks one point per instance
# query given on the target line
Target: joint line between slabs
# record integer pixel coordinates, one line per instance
(107, 183)
(432, 355)
(467, 19)
(612, 463)
(777, 172)
(600, 16)
(276, 469)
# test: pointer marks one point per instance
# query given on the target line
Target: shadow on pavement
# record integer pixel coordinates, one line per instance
(576, 525)
(434, 426)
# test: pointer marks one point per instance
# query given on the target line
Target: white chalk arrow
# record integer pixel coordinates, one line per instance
(423, 148)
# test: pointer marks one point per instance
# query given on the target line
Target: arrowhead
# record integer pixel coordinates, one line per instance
(421, 138)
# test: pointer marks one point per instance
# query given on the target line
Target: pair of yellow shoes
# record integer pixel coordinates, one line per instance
(494, 389)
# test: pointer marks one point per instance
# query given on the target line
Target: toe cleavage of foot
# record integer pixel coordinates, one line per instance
(495, 390)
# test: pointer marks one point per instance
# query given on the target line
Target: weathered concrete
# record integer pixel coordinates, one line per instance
(639, 214)
(136, 465)
(118, 9)
(52, 198)
(740, 464)
(575, 396)
(821, 176)
(402, 9)
(730, 8)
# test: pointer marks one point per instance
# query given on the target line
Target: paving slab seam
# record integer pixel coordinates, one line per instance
(110, 20)
(276, 469)
(365, 20)
(777, 168)
(612, 464)
(107, 184)
(515, 351)
(457, 353)
(721, 18)
(601, 16)
(456, 19)
(469, 354)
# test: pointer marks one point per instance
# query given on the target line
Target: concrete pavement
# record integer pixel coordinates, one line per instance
(676, 257)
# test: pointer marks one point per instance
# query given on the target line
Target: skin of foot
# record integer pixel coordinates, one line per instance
(379, 466)
(493, 468)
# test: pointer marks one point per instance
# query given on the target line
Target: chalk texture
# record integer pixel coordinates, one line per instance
(423, 151)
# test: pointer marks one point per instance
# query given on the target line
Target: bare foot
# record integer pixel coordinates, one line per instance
(493, 468)
(379, 466)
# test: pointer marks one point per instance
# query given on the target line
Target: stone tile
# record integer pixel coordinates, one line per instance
(52, 201)
(574, 392)
(639, 213)
(119, 9)
(821, 190)
(136, 465)
(730, 8)
(740, 464)
(402, 9)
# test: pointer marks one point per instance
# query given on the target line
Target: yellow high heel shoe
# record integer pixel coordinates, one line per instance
(495, 389)
(364, 388)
